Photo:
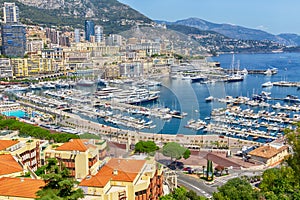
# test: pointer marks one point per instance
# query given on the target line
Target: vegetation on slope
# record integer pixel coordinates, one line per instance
(113, 15)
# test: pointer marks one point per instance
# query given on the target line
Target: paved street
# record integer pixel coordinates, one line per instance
(196, 185)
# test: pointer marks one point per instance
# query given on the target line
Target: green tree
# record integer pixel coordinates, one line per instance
(186, 154)
(192, 195)
(182, 194)
(279, 181)
(59, 185)
(209, 171)
(284, 182)
(145, 147)
(236, 189)
(293, 139)
(26, 130)
(175, 150)
(167, 197)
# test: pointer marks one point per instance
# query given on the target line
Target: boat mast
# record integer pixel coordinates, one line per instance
(232, 64)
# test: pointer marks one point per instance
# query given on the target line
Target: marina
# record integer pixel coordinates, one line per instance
(168, 105)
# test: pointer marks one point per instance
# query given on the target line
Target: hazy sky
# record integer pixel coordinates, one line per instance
(274, 16)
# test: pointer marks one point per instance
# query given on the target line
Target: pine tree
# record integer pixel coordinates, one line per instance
(59, 184)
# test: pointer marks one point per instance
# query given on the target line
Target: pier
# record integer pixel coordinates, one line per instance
(219, 130)
(253, 71)
(260, 71)
(286, 84)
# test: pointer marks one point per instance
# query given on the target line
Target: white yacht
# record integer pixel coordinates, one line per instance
(86, 83)
(15, 88)
(209, 99)
(267, 84)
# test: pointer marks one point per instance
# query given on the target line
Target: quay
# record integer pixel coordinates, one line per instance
(286, 84)
(260, 71)
(126, 107)
(218, 130)
(253, 71)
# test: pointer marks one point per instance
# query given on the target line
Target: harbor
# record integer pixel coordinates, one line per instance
(169, 106)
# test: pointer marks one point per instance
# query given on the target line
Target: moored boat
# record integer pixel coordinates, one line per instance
(209, 99)
(267, 84)
(292, 99)
(86, 83)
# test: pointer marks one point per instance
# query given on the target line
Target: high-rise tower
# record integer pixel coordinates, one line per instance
(89, 27)
(77, 35)
(99, 37)
(10, 13)
(13, 33)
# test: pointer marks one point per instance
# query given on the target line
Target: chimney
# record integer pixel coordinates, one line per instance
(115, 172)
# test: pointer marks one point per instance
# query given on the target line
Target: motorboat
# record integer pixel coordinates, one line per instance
(270, 72)
(49, 85)
(209, 99)
(292, 99)
(15, 88)
(267, 84)
(196, 79)
(235, 78)
(85, 83)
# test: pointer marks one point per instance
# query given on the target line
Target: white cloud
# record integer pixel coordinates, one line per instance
(262, 27)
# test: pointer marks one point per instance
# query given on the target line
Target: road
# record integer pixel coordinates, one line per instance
(195, 184)
(203, 189)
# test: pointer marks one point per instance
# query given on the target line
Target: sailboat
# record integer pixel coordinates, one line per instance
(235, 77)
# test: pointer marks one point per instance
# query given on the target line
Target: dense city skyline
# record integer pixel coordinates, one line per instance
(276, 17)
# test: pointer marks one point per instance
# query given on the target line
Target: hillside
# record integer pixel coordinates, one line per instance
(177, 41)
(236, 32)
(293, 39)
(113, 15)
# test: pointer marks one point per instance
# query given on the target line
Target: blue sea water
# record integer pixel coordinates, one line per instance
(190, 97)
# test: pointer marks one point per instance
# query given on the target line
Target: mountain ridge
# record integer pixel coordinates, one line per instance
(111, 14)
(236, 31)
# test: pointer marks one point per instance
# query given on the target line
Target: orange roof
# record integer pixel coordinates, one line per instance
(4, 144)
(124, 170)
(9, 165)
(72, 145)
(20, 187)
(267, 151)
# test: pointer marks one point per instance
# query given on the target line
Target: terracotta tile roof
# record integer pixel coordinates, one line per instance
(4, 144)
(9, 165)
(20, 187)
(124, 170)
(266, 151)
(72, 145)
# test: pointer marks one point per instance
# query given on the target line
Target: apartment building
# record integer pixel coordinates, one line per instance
(81, 157)
(6, 70)
(19, 188)
(20, 67)
(9, 167)
(12, 32)
(270, 155)
(26, 151)
(13, 40)
(121, 179)
(131, 69)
